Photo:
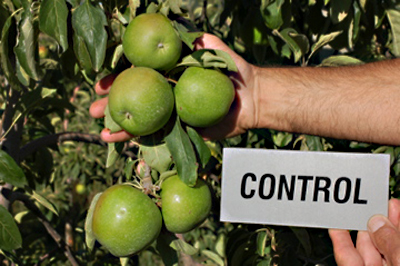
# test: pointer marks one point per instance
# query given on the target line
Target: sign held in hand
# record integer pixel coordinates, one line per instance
(298, 188)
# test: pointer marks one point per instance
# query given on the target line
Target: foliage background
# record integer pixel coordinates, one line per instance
(53, 51)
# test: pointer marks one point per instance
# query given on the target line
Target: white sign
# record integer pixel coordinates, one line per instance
(309, 189)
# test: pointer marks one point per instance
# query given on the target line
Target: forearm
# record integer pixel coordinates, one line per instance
(357, 103)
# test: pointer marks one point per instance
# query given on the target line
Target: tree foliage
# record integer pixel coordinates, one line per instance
(53, 163)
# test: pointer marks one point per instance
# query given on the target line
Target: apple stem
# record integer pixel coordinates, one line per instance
(172, 80)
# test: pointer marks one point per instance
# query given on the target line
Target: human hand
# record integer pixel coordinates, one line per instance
(241, 117)
(379, 246)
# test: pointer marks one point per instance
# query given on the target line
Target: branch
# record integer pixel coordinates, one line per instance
(52, 232)
(45, 141)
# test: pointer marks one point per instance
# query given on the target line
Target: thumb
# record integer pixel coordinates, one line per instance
(386, 238)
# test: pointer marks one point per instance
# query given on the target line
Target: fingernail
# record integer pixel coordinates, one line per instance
(376, 222)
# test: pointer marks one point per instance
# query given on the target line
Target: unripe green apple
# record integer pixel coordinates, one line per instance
(141, 100)
(125, 220)
(151, 41)
(203, 96)
(183, 207)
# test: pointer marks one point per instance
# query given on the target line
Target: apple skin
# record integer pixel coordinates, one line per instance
(151, 41)
(141, 101)
(125, 221)
(183, 207)
(203, 96)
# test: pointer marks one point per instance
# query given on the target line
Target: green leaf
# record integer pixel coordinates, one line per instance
(213, 256)
(53, 16)
(394, 20)
(114, 151)
(26, 44)
(43, 201)
(10, 237)
(339, 9)
(163, 246)
(88, 23)
(186, 36)
(262, 238)
(340, 60)
(202, 149)
(6, 66)
(180, 245)
(322, 41)
(109, 122)
(298, 43)
(118, 52)
(209, 58)
(183, 154)
(89, 235)
(157, 157)
(10, 172)
(272, 13)
(304, 238)
(82, 53)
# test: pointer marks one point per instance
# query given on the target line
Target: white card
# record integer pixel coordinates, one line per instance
(308, 189)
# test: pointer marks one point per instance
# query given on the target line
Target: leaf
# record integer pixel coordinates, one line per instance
(180, 245)
(157, 157)
(88, 23)
(272, 14)
(394, 20)
(82, 53)
(114, 151)
(209, 58)
(213, 256)
(183, 155)
(118, 52)
(298, 43)
(53, 16)
(45, 202)
(304, 238)
(6, 66)
(133, 6)
(26, 44)
(89, 235)
(339, 9)
(10, 237)
(202, 149)
(163, 246)
(340, 60)
(322, 41)
(186, 36)
(109, 122)
(10, 172)
(262, 238)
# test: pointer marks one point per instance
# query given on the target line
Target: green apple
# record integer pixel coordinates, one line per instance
(140, 101)
(183, 207)
(203, 96)
(151, 41)
(125, 221)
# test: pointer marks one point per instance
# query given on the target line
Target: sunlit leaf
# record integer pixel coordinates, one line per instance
(339, 9)
(45, 202)
(157, 157)
(394, 19)
(89, 235)
(340, 60)
(180, 245)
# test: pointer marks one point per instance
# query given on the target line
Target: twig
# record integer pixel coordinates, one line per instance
(48, 140)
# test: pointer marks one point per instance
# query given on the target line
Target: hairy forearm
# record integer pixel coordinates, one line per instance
(357, 102)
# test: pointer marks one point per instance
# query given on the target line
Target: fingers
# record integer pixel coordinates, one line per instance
(343, 247)
(98, 107)
(104, 85)
(119, 136)
(386, 238)
(394, 212)
(367, 249)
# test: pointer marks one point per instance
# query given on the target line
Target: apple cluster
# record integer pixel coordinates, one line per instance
(141, 101)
